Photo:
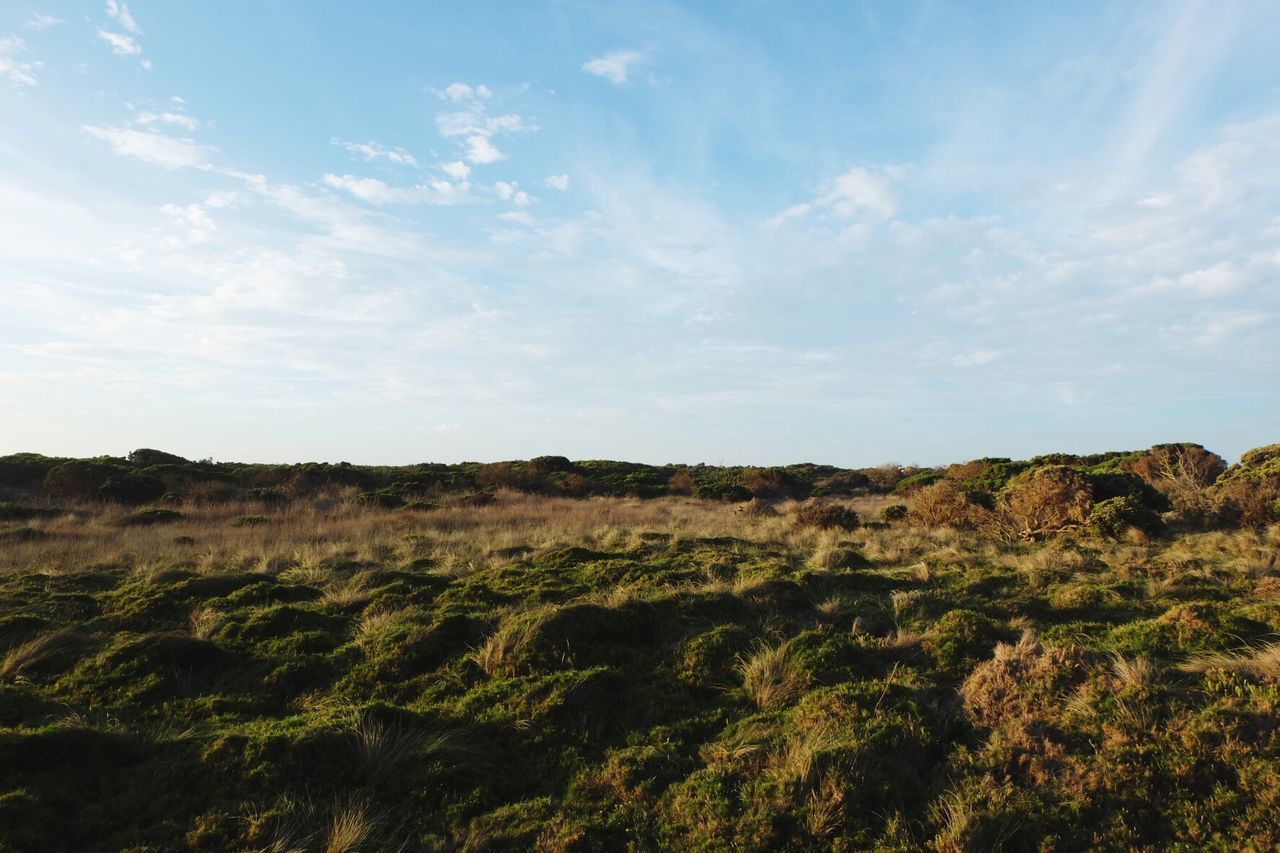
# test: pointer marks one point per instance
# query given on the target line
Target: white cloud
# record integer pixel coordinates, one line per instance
(194, 223)
(556, 182)
(153, 147)
(375, 191)
(121, 44)
(1221, 329)
(859, 190)
(795, 211)
(977, 358)
(858, 193)
(480, 150)
(120, 12)
(16, 72)
(472, 122)
(472, 127)
(457, 170)
(458, 92)
(1217, 280)
(510, 191)
(371, 151)
(39, 21)
(614, 66)
(179, 119)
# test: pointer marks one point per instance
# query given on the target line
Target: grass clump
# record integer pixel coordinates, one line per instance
(772, 676)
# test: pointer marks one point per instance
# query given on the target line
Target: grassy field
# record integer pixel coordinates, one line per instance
(612, 673)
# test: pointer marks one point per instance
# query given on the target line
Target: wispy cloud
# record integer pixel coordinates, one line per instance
(14, 70)
(614, 66)
(179, 119)
(121, 45)
(858, 192)
(150, 146)
(40, 21)
(371, 151)
(375, 191)
(120, 13)
(556, 182)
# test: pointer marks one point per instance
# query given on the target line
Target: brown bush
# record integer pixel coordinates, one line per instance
(1176, 467)
(681, 483)
(1023, 680)
(827, 517)
(942, 504)
(1044, 500)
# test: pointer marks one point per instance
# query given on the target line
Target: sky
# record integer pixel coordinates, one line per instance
(848, 233)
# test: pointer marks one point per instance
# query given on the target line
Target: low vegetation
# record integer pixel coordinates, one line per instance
(1060, 653)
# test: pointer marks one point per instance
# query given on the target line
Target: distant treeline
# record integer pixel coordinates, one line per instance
(1182, 483)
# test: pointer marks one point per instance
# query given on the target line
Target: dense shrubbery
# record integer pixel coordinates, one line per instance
(1185, 483)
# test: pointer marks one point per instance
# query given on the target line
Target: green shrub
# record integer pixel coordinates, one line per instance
(78, 480)
(147, 456)
(268, 496)
(23, 533)
(893, 512)
(131, 489)
(1113, 517)
(383, 499)
(722, 490)
(916, 481)
(150, 516)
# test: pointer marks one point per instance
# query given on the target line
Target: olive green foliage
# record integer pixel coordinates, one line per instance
(1114, 517)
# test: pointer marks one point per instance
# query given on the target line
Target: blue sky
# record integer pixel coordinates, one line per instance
(850, 233)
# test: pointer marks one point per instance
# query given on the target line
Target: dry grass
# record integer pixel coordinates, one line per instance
(306, 539)
(205, 622)
(772, 676)
(498, 654)
(350, 828)
(1139, 671)
(25, 656)
(1262, 662)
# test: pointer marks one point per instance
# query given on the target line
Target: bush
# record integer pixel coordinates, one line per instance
(77, 480)
(146, 456)
(827, 517)
(1112, 518)
(268, 496)
(23, 533)
(1249, 492)
(1045, 500)
(384, 499)
(249, 521)
(721, 490)
(131, 489)
(916, 481)
(894, 512)
(942, 504)
(148, 517)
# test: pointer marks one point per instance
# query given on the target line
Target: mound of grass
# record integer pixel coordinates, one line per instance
(151, 516)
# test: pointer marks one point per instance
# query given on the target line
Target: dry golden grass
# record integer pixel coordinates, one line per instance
(772, 676)
(24, 656)
(497, 655)
(1262, 662)
(350, 828)
(1138, 671)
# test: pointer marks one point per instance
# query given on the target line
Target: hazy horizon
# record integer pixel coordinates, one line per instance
(845, 234)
